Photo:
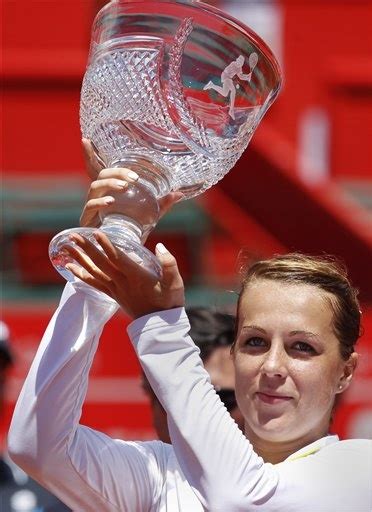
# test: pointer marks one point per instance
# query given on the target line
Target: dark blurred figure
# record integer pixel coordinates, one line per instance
(213, 332)
(18, 492)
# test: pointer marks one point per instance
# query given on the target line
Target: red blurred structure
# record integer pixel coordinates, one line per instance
(305, 182)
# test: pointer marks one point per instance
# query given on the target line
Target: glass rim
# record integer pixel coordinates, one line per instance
(249, 32)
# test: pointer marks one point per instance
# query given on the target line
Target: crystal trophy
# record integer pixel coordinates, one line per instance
(174, 90)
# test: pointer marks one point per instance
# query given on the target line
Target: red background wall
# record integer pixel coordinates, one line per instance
(327, 63)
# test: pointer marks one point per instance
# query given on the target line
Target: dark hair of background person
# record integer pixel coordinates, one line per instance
(210, 329)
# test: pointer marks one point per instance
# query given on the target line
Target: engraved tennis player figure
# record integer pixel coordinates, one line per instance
(228, 74)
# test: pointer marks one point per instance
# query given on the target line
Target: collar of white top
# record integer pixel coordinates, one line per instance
(314, 447)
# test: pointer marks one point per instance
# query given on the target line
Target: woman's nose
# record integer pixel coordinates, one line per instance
(275, 362)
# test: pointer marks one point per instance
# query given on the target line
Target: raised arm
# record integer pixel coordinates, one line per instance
(217, 459)
(84, 468)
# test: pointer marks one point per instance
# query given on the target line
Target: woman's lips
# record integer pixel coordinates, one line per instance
(272, 399)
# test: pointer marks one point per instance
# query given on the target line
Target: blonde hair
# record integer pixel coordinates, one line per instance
(323, 272)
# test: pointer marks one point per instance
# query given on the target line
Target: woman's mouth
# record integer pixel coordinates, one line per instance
(268, 398)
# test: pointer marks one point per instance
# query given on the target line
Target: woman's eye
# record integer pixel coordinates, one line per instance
(304, 347)
(255, 342)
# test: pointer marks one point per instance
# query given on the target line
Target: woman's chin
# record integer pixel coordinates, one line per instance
(274, 430)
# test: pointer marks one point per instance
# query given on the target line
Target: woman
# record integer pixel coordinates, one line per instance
(298, 322)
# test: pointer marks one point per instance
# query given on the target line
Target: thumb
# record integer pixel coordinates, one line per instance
(171, 276)
(92, 163)
(168, 201)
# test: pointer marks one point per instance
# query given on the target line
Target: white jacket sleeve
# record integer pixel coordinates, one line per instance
(217, 460)
(205, 438)
(86, 469)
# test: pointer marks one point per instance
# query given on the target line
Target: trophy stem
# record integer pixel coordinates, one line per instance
(127, 222)
(116, 223)
(136, 210)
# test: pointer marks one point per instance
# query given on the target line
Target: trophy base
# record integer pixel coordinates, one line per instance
(121, 239)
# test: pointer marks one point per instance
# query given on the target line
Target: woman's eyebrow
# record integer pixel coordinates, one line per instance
(254, 328)
(304, 333)
(297, 332)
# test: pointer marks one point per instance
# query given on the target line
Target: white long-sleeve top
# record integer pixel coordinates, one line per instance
(212, 465)
(86, 469)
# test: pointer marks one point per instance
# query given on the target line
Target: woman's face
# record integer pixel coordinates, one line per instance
(287, 361)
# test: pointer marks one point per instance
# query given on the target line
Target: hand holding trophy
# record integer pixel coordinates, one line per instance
(174, 91)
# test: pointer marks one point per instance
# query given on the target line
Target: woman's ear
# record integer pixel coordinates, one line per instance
(348, 373)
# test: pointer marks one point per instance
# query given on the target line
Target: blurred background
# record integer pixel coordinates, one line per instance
(304, 184)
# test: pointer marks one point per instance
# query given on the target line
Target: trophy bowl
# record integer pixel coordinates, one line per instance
(174, 90)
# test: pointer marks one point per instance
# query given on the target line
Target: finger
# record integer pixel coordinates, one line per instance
(171, 276)
(86, 264)
(87, 278)
(102, 187)
(111, 252)
(121, 173)
(92, 162)
(125, 263)
(90, 214)
(98, 199)
(90, 258)
(110, 263)
(168, 201)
